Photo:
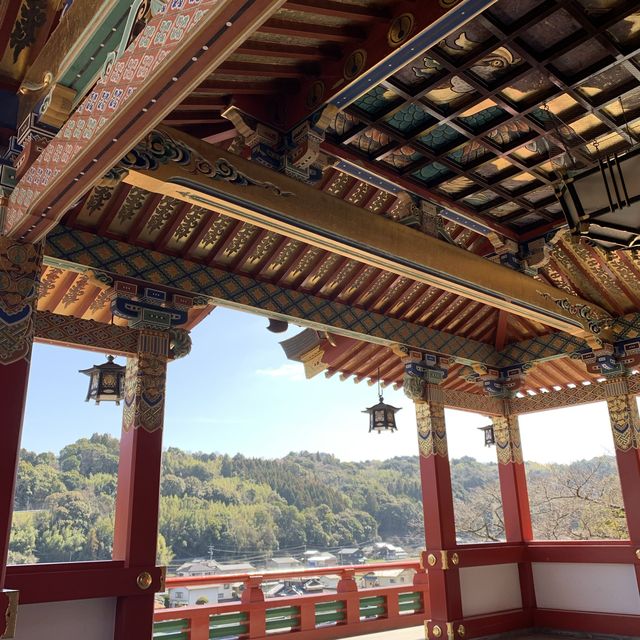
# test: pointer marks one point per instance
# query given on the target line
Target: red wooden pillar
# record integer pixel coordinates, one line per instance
(625, 426)
(445, 601)
(20, 265)
(137, 501)
(515, 497)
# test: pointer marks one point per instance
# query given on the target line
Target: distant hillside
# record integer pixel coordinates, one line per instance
(250, 507)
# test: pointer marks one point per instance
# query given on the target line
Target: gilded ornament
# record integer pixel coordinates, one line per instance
(455, 559)
(400, 29)
(413, 386)
(144, 389)
(625, 422)
(506, 431)
(582, 311)
(144, 580)
(315, 94)
(432, 435)
(354, 64)
(20, 267)
(159, 148)
(638, 554)
(461, 631)
(437, 631)
(179, 343)
(431, 559)
(33, 14)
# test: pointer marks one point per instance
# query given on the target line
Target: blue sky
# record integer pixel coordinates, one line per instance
(237, 393)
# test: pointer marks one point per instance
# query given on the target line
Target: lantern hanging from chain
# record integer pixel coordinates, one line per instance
(382, 416)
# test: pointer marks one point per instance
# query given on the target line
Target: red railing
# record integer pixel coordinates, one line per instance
(351, 610)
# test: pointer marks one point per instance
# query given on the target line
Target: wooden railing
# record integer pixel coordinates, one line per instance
(351, 610)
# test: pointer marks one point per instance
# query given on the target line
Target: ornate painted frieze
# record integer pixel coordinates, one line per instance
(20, 265)
(145, 382)
(499, 383)
(506, 431)
(158, 147)
(140, 264)
(625, 421)
(595, 322)
(421, 370)
(432, 433)
(67, 330)
(148, 307)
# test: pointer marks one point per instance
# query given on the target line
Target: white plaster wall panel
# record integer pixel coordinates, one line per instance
(489, 589)
(602, 588)
(85, 619)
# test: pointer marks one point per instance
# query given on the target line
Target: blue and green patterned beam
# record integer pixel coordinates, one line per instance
(81, 251)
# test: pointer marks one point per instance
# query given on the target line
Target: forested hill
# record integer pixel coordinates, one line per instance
(248, 507)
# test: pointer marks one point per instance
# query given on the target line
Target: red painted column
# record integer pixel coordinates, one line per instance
(445, 601)
(515, 497)
(625, 427)
(137, 501)
(20, 265)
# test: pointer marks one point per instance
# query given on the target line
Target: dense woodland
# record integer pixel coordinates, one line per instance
(250, 508)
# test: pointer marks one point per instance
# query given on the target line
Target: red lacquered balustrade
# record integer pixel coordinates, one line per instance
(351, 610)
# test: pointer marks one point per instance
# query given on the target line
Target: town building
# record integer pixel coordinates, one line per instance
(284, 563)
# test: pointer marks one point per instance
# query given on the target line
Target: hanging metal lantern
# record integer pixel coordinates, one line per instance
(382, 416)
(489, 435)
(106, 382)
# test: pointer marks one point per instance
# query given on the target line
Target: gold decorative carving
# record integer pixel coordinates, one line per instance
(431, 559)
(20, 267)
(507, 435)
(625, 421)
(9, 601)
(57, 105)
(144, 580)
(437, 631)
(144, 391)
(400, 29)
(354, 64)
(455, 559)
(432, 434)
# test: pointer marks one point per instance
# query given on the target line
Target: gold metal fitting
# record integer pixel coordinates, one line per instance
(163, 579)
(437, 631)
(638, 554)
(455, 559)
(27, 86)
(461, 631)
(444, 555)
(144, 580)
(431, 559)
